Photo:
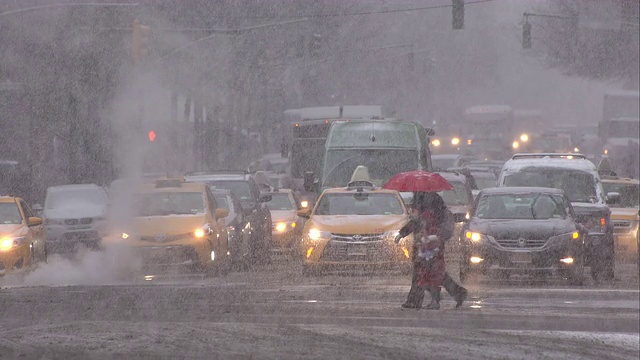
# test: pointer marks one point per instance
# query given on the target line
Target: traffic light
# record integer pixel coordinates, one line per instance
(315, 44)
(139, 41)
(526, 35)
(152, 135)
(457, 14)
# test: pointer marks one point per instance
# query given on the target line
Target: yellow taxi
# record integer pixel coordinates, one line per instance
(355, 227)
(623, 198)
(176, 224)
(22, 241)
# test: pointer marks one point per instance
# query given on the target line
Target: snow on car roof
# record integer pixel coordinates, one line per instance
(74, 187)
(521, 190)
(548, 161)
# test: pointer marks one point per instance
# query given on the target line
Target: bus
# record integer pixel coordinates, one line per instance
(304, 143)
(619, 130)
(385, 146)
(491, 131)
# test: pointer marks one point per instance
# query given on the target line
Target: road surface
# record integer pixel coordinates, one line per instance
(78, 311)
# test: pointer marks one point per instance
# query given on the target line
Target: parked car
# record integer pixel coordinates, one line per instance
(257, 215)
(74, 217)
(524, 231)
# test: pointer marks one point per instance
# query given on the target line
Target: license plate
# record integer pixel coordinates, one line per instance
(521, 257)
(357, 250)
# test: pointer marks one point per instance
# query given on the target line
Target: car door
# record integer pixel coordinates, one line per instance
(36, 232)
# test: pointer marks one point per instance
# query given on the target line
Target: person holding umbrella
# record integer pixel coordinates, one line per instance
(432, 224)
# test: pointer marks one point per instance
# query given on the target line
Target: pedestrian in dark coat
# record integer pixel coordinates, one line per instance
(430, 220)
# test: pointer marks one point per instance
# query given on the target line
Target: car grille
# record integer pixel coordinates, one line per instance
(83, 221)
(81, 235)
(167, 255)
(370, 252)
(357, 237)
(162, 238)
(527, 243)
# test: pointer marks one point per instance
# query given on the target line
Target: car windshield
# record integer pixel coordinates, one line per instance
(170, 203)
(9, 213)
(483, 182)
(221, 200)
(239, 188)
(61, 198)
(281, 202)
(382, 165)
(442, 163)
(359, 204)
(532, 206)
(457, 196)
(629, 194)
(580, 186)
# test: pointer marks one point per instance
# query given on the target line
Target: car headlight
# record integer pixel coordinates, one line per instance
(475, 237)
(391, 235)
(284, 226)
(317, 235)
(203, 231)
(9, 243)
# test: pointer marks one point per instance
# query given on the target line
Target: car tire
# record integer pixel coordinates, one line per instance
(576, 276)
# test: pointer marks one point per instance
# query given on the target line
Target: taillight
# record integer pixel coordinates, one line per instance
(603, 221)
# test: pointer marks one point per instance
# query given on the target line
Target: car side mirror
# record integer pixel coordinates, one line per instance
(264, 198)
(304, 213)
(613, 198)
(221, 213)
(34, 221)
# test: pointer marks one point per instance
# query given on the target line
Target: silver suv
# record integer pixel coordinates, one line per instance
(75, 216)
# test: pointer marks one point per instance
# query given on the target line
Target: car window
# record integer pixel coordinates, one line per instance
(457, 196)
(25, 208)
(629, 193)
(9, 213)
(240, 188)
(580, 186)
(532, 206)
(69, 197)
(359, 204)
(281, 202)
(170, 203)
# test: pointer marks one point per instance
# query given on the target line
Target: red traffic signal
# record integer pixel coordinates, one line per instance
(152, 135)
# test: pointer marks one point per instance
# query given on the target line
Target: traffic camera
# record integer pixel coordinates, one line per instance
(139, 41)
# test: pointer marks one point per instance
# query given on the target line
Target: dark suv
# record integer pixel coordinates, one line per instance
(256, 214)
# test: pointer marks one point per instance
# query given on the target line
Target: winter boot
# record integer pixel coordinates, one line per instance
(435, 298)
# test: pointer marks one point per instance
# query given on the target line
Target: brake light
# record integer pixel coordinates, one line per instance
(603, 221)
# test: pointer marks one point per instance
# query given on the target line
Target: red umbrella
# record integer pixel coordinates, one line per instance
(418, 181)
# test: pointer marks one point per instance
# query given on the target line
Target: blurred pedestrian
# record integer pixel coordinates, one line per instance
(432, 225)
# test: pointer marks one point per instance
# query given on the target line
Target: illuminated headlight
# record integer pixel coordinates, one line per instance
(283, 226)
(318, 235)
(231, 228)
(391, 235)
(304, 204)
(125, 235)
(8, 243)
(473, 236)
